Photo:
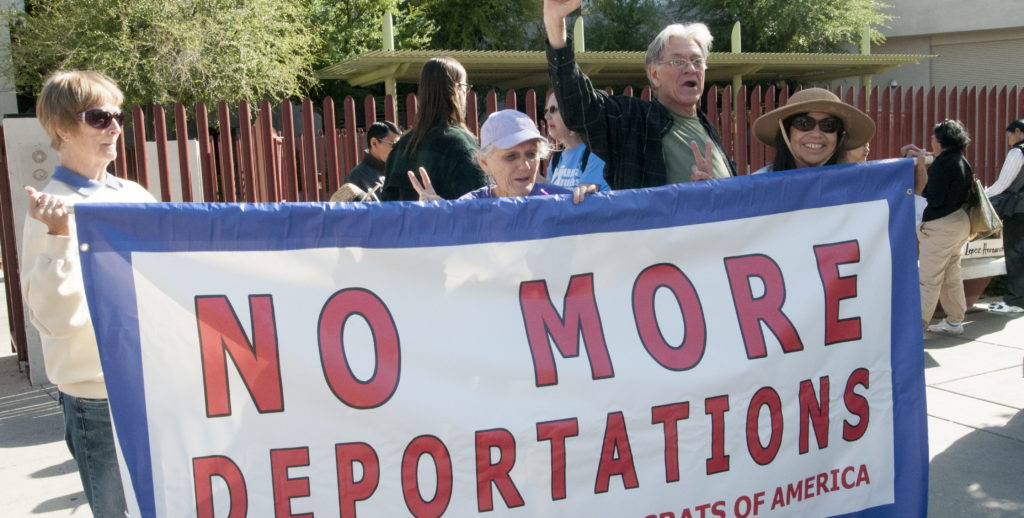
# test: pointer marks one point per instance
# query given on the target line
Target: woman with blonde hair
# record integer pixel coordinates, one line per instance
(438, 140)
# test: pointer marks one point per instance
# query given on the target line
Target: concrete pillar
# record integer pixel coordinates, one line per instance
(388, 37)
(865, 50)
(578, 39)
(737, 47)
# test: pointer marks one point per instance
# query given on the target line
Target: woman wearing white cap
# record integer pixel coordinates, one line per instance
(511, 151)
(812, 129)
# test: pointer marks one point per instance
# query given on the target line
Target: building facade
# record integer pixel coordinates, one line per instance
(975, 43)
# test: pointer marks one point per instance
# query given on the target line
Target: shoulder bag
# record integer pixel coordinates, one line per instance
(984, 220)
(1006, 202)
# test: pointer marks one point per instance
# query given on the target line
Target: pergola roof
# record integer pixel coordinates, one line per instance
(521, 69)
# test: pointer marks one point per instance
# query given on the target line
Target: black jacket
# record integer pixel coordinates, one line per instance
(368, 173)
(949, 178)
(625, 131)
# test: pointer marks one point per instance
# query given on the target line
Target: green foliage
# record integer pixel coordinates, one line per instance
(789, 25)
(159, 51)
(484, 24)
(348, 27)
(622, 24)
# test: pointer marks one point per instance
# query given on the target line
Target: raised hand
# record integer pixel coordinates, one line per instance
(49, 209)
(555, 12)
(703, 169)
(425, 189)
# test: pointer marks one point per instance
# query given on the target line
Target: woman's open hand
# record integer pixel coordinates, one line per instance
(49, 209)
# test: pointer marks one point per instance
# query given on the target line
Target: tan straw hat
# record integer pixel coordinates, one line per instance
(350, 192)
(858, 126)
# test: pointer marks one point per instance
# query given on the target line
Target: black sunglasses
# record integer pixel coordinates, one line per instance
(807, 123)
(100, 119)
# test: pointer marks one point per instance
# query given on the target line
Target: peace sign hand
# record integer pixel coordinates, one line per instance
(425, 189)
(703, 169)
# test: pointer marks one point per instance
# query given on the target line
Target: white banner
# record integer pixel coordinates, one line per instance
(666, 365)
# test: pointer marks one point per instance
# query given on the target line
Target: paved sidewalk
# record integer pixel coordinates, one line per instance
(975, 427)
(37, 474)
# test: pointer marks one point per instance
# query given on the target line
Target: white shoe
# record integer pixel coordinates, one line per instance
(1001, 307)
(947, 328)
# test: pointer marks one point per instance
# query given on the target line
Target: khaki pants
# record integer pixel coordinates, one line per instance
(940, 241)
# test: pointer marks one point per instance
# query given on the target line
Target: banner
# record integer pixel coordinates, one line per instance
(729, 348)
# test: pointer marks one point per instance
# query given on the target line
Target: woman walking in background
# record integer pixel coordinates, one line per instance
(944, 228)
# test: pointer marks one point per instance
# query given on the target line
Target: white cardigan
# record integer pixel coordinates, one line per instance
(52, 284)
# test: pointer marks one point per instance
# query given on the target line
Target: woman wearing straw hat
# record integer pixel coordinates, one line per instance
(812, 129)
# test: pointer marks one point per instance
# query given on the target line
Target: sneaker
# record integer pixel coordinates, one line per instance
(947, 328)
(1001, 307)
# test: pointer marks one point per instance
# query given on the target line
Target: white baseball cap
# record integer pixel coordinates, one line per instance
(507, 129)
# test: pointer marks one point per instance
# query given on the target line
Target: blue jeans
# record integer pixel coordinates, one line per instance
(90, 438)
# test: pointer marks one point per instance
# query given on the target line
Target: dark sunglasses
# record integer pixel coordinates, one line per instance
(807, 123)
(100, 119)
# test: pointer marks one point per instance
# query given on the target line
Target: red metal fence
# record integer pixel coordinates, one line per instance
(251, 158)
(302, 160)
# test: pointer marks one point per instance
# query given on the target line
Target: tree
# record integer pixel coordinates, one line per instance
(622, 24)
(348, 27)
(790, 25)
(159, 51)
(484, 24)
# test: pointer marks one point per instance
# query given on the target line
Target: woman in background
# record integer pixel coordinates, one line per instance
(438, 140)
(944, 228)
(574, 163)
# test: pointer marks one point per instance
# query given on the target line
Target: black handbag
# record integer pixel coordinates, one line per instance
(1006, 203)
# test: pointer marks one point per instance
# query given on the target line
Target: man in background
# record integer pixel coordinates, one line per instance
(380, 138)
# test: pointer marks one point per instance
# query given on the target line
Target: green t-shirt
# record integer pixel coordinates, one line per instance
(679, 159)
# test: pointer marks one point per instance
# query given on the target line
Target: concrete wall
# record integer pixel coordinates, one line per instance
(927, 17)
(31, 161)
(976, 58)
(975, 43)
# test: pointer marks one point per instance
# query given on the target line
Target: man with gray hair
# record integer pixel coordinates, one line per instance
(644, 143)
